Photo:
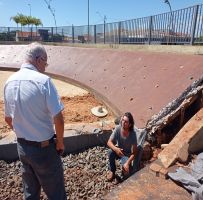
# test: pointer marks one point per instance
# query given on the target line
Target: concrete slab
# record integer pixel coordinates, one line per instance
(145, 185)
(10, 138)
(136, 81)
(179, 146)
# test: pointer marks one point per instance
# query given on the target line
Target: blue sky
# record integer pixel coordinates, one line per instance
(68, 12)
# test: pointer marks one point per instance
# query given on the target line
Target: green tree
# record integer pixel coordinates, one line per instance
(37, 22)
(16, 19)
(19, 19)
(30, 20)
(26, 20)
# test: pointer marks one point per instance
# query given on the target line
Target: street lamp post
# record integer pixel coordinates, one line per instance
(171, 12)
(170, 24)
(167, 2)
(30, 8)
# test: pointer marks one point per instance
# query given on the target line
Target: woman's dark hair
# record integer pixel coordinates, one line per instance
(131, 120)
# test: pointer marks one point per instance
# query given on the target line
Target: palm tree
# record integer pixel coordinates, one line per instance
(16, 19)
(37, 22)
(30, 20)
(23, 20)
(20, 19)
(26, 20)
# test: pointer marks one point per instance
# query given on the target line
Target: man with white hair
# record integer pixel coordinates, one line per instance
(32, 108)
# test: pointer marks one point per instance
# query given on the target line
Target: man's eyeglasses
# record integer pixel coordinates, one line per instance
(43, 59)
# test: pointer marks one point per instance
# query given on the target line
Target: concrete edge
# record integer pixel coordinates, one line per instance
(73, 144)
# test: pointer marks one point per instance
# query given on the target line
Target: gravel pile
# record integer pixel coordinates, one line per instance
(85, 176)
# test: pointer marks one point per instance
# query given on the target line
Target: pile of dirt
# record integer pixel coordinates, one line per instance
(77, 109)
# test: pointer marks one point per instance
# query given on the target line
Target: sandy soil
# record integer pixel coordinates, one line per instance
(63, 88)
(77, 103)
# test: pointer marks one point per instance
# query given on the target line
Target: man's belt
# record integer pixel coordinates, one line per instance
(34, 143)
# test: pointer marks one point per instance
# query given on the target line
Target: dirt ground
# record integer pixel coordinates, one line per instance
(77, 104)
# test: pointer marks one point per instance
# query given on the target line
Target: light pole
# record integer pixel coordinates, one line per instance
(171, 18)
(167, 2)
(30, 8)
(88, 20)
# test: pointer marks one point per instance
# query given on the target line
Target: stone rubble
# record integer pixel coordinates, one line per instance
(84, 173)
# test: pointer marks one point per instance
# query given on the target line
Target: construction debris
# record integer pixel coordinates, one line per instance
(180, 145)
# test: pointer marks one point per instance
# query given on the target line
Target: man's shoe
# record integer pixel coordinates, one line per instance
(110, 176)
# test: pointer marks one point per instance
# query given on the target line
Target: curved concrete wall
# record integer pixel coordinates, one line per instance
(140, 82)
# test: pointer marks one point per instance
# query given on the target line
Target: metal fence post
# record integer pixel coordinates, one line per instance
(52, 34)
(104, 33)
(31, 33)
(73, 34)
(8, 34)
(150, 30)
(194, 23)
(119, 32)
(95, 34)
(62, 35)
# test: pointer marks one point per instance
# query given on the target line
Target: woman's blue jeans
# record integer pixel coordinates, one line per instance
(135, 164)
(41, 167)
(112, 160)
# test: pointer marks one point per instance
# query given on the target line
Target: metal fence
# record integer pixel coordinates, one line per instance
(183, 26)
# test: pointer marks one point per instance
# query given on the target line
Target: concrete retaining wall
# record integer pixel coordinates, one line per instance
(73, 144)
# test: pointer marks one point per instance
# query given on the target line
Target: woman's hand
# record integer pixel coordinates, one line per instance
(126, 168)
(119, 151)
